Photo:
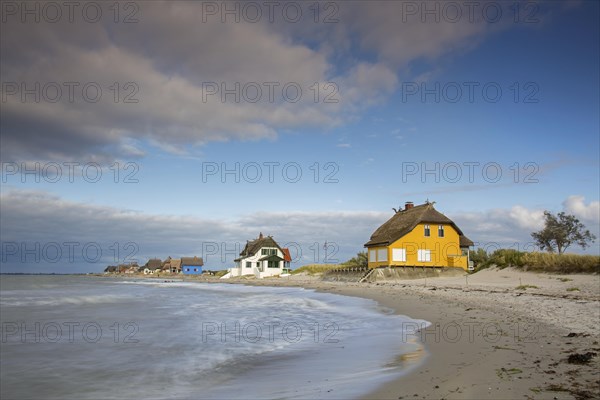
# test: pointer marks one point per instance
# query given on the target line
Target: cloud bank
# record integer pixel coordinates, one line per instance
(30, 217)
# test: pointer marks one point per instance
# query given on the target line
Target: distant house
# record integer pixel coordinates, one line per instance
(166, 265)
(171, 266)
(154, 264)
(175, 266)
(132, 269)
(419, 236)
(261, 257)
(191, 265)
(111, 269)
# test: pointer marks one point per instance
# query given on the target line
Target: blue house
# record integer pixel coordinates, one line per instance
(191, 265)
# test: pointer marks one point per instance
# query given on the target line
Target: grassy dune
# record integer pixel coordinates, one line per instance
(315, 269)
(541, 262)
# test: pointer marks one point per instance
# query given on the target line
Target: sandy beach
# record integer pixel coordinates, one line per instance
(496, 334)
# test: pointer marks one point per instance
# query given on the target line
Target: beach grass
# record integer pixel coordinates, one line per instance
(525, 287)
(315, 269)
(540, 262)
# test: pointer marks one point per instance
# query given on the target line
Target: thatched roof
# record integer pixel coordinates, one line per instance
(175, 263)
(154, 263)
(405, 221)
(192, 261)
(255, 245)
(465, 241)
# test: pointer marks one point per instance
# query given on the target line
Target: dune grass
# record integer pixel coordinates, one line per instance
(525, 287)
(563, 263)
(541, 262)
(315, 269)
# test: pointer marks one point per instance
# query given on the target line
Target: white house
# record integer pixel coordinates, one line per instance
(261, 257)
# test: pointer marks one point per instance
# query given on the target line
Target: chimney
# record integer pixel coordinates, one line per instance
(408, 205)
(260, 236)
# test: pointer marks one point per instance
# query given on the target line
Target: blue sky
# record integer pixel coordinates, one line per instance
(369, 147)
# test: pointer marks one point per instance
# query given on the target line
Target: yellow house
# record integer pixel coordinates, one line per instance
(419, 236)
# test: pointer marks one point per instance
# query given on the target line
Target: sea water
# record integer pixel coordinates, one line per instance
(79, 337)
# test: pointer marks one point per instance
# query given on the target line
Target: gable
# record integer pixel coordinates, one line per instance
(254, 246)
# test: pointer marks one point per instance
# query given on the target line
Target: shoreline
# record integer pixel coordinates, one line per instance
(488, 340)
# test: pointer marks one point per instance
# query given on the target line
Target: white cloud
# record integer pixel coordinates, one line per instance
(587, 213)
(34, 216)
(501, 226)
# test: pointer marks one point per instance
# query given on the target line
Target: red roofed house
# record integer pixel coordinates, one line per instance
(261, 257)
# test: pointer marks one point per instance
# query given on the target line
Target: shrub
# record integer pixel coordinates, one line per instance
(479, 258)
(503, 258)
(361, 260)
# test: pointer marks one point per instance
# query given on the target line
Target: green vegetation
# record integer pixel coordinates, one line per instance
(479, 257)
(525, 287)
(314, 269)
(538, 262)
(565, 279)
(219, 274)
(361, 260)
(572, 289)
(564, 263)
(560, 231)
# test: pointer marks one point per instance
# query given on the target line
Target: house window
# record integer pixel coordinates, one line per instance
(273, 264)
(195, 269)
(372, 256)
(424, 256)
(248, 264)
(427, 230)
(382, 255)
(441, 230)
(268, 252)
(399, 255)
